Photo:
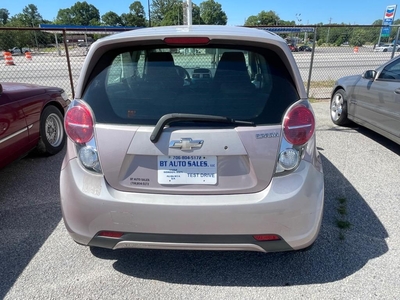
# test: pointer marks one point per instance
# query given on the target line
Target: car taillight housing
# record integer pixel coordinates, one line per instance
(298, 129)
(79, 126)
(298, 125)
(78, 123)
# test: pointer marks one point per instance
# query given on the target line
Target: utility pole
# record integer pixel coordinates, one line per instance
(148, 6)
(189, 12)
(329, 29)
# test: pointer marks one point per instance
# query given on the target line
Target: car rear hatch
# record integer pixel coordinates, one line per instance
(160, 127)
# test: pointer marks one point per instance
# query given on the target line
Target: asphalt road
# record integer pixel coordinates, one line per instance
(40, 261)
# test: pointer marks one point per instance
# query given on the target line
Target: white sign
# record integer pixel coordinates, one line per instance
(187, 169)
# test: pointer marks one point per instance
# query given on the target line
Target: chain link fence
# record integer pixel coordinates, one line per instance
(323, 54)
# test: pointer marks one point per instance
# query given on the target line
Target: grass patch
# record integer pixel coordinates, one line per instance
(341, 222)
(321, 84)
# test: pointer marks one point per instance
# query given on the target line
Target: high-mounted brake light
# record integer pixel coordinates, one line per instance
(79, 124)
(194, 41)
(298, 125)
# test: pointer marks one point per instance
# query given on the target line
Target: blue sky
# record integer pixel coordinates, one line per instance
(360, 12)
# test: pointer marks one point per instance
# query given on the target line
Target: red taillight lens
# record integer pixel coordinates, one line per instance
(111, 234)
(187, 40)
(266, 237)
(79, 124)
(299, 125)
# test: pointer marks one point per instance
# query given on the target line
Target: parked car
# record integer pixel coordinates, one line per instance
(386, 48)
(17, 50)
(31, 116)
(305, 48)
(293, 48)
(371, 100)
(83, 44)
(161, 157)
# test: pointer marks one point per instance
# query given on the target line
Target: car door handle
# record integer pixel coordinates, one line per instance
(397, 91)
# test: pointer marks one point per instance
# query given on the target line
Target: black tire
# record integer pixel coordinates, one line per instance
(384, 50)
(52, 135)
(338, 108)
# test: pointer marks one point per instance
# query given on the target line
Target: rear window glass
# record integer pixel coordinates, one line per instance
(138, 86)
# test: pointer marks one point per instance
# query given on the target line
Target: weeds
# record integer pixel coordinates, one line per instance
(341, 222)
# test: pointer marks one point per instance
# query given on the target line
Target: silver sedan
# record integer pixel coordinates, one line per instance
(371, 100)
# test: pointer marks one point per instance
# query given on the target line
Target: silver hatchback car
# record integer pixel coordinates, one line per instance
(197, 137)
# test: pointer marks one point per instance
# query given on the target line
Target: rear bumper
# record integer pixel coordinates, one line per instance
(202, 222)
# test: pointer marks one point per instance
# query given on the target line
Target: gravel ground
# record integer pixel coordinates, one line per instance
(360, 261)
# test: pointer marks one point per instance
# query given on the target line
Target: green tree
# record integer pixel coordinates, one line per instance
(30, 16)
(81, 13)
(161, 9)
(4, 15)
(196, 16)
(174, 16)
(111, 19)
(64, 16)
(264, 18)
(212, 14)
(136, 15)
(358, 37)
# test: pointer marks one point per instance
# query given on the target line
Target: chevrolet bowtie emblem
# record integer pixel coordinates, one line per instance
(186, 144)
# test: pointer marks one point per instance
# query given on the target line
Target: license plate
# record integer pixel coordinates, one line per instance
(187, 169)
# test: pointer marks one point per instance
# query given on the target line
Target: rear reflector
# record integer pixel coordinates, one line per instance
(187, 40)
(266, 237)
(111, 234)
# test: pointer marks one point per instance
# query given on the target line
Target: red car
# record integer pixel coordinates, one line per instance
(31, 116)
(293, 48)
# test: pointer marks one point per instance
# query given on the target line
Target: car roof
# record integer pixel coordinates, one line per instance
(235, 32)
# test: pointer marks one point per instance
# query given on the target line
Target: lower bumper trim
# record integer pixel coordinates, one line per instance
(189, 242)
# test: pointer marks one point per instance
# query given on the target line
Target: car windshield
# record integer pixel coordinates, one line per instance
(140, 85)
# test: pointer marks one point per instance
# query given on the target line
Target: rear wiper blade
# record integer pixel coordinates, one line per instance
(177, 117)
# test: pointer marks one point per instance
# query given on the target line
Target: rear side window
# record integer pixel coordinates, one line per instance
(138, 86)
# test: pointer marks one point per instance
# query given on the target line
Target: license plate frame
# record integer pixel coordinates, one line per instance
(187, 169)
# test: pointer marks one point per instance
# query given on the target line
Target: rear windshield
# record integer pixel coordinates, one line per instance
(138, 86)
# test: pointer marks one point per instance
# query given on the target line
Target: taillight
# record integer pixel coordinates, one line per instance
(298, 125)
(79, 124)
(186, 40)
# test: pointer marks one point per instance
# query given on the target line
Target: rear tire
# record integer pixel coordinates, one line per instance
(338, 108)
(52, 135)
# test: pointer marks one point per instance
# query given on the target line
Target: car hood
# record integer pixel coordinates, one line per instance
(348, 80)
(17, 91)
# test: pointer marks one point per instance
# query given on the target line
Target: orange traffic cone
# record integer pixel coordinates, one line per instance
(8, 59)
(28, 55)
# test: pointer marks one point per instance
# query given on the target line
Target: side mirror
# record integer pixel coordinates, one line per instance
(370, 74)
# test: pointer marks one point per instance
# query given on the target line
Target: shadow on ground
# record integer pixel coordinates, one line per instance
(331, 258)
(29, 212)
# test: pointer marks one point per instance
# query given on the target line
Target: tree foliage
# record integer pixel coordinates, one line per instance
(264, 18)
(81, 13)
(111, 19)
(165, 9)
(267, 18)
(136, 15)
(4, 15)
(212, 14)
